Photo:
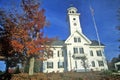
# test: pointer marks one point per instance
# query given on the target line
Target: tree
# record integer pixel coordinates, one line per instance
(84, 63)
(25, 33)
(111, 64)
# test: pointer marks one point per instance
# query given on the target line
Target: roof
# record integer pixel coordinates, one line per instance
(61, 42)
(80, 34)
(58, 42)
(117, 63)
(96, 43)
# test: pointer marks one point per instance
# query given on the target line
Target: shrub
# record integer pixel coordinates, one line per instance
(114, 70)
(1, 72)
(17, 70)
(107, 72)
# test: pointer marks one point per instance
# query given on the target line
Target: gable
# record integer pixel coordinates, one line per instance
(83, 38)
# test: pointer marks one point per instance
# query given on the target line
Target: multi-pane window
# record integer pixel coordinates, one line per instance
(81, 50)
(99, 53)
(60, 53)
(100, 63)
(93, 64)
(77, 39)
(60, 64)
(75, 50)
(91, 53)
(49, 64)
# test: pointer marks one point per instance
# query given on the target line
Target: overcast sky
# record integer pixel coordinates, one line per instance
(105, 12)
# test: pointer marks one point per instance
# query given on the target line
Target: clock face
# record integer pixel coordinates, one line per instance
(75, 24)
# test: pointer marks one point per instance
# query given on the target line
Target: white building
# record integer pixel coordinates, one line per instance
(117, 66)
(77, 52)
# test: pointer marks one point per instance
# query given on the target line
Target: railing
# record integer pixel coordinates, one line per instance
(78, 55)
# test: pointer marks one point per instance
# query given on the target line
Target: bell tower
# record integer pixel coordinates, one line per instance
(74, 21)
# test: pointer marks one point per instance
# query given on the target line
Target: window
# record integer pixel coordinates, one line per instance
(58, 53)
(75, 50)
(72, 11)
(49, 64)
(99, 53)
(81, 50)
(75, 39)
(93, 64)
(100, 63)
(79, 40)
(91, 53)
(60, 64)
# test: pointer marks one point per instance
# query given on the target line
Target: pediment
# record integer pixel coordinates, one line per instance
(78, 34)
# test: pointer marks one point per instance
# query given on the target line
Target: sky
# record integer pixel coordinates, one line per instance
(105, 13)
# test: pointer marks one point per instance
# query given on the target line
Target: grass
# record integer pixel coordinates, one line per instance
(66, 76)
(57, 76)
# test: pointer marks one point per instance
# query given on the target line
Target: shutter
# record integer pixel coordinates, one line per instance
(52, 64)
(62, 53)
(58, 64)
(58, 54)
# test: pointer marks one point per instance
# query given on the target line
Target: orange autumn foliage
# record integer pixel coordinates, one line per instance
(17, 46)
(25, 31)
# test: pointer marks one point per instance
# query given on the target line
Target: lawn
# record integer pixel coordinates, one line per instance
(65, 76)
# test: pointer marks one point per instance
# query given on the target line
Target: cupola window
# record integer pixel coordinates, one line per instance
(74, 18)
(73, 12)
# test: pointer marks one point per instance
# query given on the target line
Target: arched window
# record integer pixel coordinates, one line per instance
(93, 64)
(91, 53)
(99, 53)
